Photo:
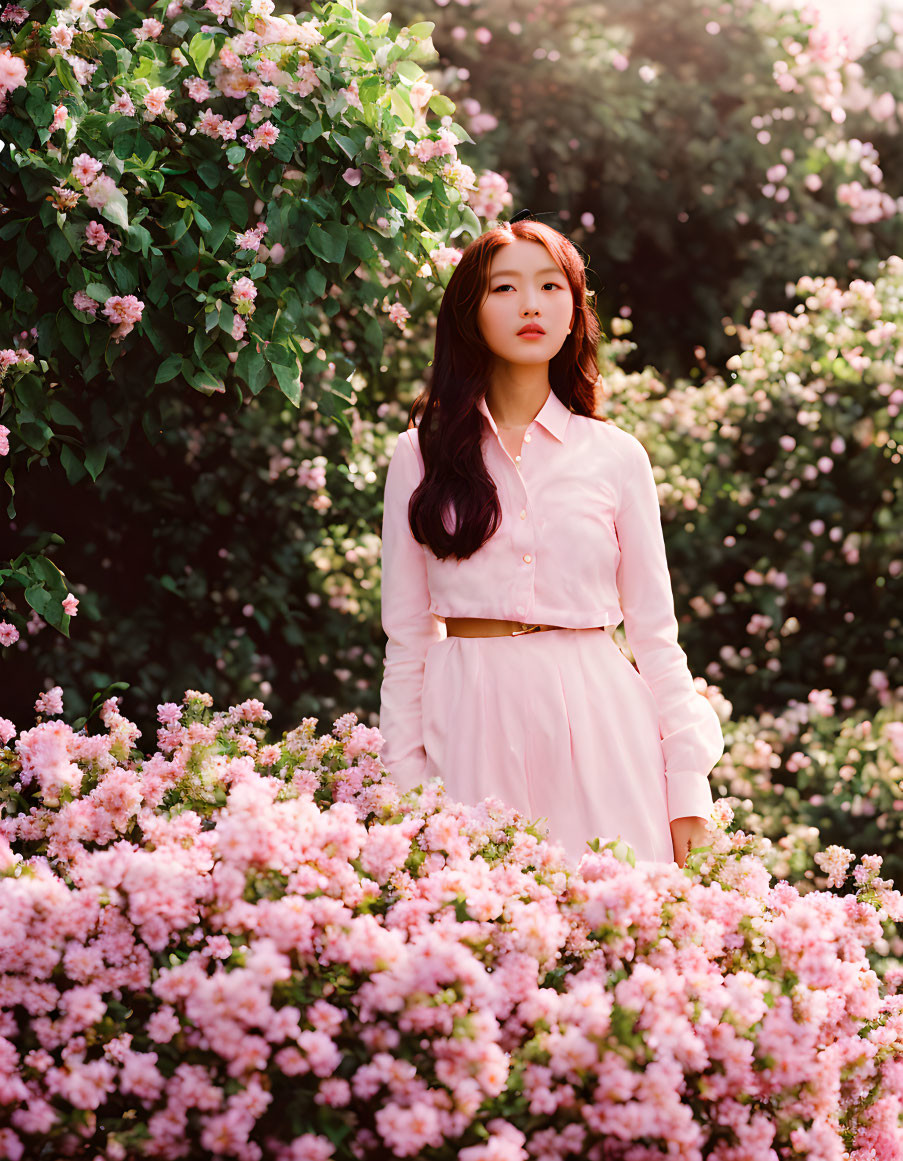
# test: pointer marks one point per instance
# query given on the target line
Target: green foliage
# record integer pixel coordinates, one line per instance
(783, 497)
(178, 209)
(655, 136)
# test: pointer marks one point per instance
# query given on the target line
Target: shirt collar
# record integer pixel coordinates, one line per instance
(553, 415)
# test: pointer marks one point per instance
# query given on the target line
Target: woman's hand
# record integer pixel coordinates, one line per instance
(687, 833)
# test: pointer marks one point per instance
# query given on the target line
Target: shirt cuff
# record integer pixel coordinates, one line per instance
(689, 795)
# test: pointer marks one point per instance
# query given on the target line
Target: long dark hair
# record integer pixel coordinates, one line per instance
(456, 482)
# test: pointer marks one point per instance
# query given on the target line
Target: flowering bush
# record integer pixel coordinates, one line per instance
(243, 948)
(808, 777)
(263, 565)
(203, 191)
(780, 491)
(701, 154)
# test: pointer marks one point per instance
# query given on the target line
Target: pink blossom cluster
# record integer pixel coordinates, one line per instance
(243, 294)
(229, 929)
(14, 357)
(250, 239)
(867, 204)
(12, 74)
(124, 310)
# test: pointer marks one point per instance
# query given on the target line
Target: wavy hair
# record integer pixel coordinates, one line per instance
(456, 485)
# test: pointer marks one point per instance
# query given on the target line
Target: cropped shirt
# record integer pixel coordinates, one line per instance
(580, 544)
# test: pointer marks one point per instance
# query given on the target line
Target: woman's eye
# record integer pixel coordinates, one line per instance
(507, 284)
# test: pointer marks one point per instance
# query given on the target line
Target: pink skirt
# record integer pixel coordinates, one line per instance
(559, 725)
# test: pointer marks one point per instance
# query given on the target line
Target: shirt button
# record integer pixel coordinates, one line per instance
(520, 609)
(527, 557)
(517, 459)
(523, 514)
(527, 437)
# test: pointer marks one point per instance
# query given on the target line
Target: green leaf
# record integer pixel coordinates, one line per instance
(289, 380)
(44, 570)
(72, 465)
(61, 414)
(98, 291)
(201, 49)
(215, 236)
(168, 369)
(348, 144)
(409, 70)
(236, 206)
(253, 368)
(124, 145)
(66, 74)
(116, 209)
(95, 457)
(235, 154)
(39, 599)
(328, 241)
(210, 174)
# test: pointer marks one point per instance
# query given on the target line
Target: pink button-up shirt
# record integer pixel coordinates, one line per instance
(580, 544)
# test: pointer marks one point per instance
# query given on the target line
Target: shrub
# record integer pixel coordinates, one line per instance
(701, 154)
(780, 488)
(189, 205)
(252, 949)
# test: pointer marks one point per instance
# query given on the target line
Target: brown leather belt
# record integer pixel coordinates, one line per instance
(492, 627)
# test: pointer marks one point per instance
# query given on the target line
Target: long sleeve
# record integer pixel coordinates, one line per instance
(692, 740)
(406, 620)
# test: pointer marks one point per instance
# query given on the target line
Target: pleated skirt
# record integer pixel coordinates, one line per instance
(559, 725)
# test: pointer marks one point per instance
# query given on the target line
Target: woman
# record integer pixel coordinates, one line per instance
(518, 530)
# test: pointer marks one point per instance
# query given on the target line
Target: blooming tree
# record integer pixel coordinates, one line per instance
(189, 198)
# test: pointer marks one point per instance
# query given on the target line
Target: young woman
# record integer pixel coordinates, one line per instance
(519, 529)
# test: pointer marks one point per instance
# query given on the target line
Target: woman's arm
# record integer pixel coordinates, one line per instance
(407, 622)
(692, 741)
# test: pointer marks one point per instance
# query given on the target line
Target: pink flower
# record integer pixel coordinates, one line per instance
(220, 8)
(96, 235)
(7, 730)
(82, 301)
(64, 198)
(155, 102)
(150, 29)
(264, 135)
(124, 105)
(4, 440)
(45, 757)
(9, 634)
(12, 72)
(60, 114)
(309, 1147)
(50, 702)
(61, 37)
(100, 191)
(198, 89)
(124, 310)
(85, 168)
(163, 1025)
(243, 294)
(408, 1130)
(268, 95)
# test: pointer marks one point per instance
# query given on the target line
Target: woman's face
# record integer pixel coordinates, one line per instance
(526, 285)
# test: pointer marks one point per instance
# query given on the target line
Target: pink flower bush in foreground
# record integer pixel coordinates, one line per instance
(246, 949)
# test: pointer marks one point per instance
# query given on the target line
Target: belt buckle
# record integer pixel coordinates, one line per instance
(525, 629)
